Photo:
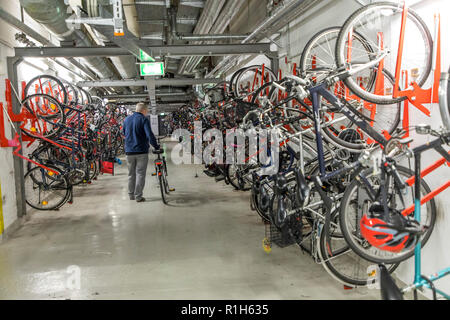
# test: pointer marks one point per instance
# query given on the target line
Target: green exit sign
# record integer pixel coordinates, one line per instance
(152, 69)
(145, 57)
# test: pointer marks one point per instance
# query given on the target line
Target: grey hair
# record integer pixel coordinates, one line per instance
(140, 107)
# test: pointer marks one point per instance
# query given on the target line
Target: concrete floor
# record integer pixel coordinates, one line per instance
(205, 245)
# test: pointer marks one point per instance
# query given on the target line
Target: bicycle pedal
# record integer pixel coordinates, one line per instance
(171, 189)
(153, 174)
(70, 202)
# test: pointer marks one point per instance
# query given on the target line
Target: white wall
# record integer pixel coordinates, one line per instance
(436, 254)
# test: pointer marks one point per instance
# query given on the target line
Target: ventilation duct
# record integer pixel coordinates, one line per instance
(227, 14)
(125, 65)
(207, 18)
(52, 14)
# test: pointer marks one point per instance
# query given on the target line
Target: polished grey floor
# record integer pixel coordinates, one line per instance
(207, 244)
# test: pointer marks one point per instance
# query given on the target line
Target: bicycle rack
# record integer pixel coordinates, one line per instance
(418, 96)
(17, 118)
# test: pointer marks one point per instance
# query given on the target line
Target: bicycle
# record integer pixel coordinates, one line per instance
(161, 173)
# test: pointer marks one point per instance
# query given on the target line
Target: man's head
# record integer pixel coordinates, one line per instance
(142, 108)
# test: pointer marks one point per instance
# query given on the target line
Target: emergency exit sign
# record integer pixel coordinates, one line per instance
(152, 69)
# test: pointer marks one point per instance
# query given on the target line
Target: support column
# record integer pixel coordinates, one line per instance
(13, 63)
(275, 64)
(151, 87)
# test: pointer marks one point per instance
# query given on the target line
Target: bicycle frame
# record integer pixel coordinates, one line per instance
(321, 91)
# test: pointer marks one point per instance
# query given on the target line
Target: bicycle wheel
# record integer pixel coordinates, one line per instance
(234, 174)
(379, 24)
(318, 58)
(85, 97)
(162, 188)
(50, 155)
(384, 117)
(356, 202)
(250, 79)
(341, 262)
(47, 84)
(72, 94)
(261, 200)
(93, 170)
(48, 116)
(45, 190)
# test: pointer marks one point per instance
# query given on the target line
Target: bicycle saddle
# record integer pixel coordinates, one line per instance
(264, 199)
(280, 184)
(388, 288)
(302, 190)
(159, 151)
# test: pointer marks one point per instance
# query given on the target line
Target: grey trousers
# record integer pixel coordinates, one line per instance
(137, 170)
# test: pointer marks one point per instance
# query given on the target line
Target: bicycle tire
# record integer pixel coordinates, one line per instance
(60, 116)
(340, 52)
(314, 39)
(64, 187)
(425, 189)
(58, 81)
(257, 69)
(339, 275)
(162, 187)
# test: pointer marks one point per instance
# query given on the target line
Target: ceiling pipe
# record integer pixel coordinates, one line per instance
(281, 16)
(197, 3)
(52, 14)
(172, 15)
(130, 13)
(125, 65)
(209, 15)
(10, 19)
(227, 14)
(189, 21)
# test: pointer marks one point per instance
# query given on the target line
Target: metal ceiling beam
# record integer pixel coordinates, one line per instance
(143, 96)
(158, 82)
(209, 49)
(190, 3)
(154, 51)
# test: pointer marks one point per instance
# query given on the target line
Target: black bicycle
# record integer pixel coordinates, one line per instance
(161, 173)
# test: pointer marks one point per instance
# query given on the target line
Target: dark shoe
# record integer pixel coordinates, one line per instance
(140, 200)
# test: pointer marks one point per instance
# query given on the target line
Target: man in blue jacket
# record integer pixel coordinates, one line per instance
(138, 135)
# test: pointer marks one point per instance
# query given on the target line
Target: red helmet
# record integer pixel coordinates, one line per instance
(396, 235)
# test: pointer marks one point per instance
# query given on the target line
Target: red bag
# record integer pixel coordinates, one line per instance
(107, 167)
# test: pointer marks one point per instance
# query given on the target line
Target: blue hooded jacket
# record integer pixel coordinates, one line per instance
(138, 134)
